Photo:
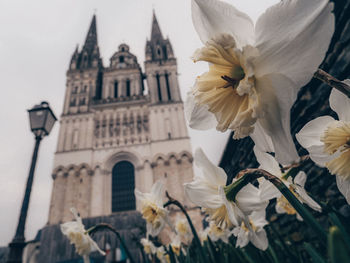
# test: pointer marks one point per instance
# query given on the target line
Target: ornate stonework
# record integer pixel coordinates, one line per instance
(109, 116)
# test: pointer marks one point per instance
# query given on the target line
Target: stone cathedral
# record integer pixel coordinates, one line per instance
(121, 128)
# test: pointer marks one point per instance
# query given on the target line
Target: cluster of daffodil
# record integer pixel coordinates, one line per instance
(255, 73)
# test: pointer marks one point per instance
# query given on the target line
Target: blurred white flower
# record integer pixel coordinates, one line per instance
(255, 71)
(268, 190)
(152, 208)
(148, 246)
(328, 140)
(162, 255)
(183, 230)
(175, 245)
(77, 235)
(207, 191)
(217, 233)
(203, 235)
(252, 230)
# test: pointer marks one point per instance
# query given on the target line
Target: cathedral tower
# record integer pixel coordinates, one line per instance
(116, 135)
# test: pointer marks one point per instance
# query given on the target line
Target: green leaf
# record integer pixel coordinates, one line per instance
(316, 257)
(337, 249)
(336, 221)
(253, 174)
(272, 254)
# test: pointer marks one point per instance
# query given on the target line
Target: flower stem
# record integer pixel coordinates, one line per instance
(172, 201)
(332, 81)
(103, 226)
(249, 175)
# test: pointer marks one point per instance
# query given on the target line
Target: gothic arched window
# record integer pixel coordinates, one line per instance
(128, 91)
(167, 85)
(116, 89)
(158, 87)
(123, 186)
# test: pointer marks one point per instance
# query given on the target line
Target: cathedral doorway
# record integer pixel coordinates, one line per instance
(123, 186)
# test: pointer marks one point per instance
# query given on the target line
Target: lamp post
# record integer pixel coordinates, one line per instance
(42, 120)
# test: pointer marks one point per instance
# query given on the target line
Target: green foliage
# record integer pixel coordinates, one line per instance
(337, 248)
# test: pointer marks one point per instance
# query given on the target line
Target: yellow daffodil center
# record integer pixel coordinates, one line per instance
(228, 88)
(219, 216)
(80, 241)
(147, 249)
(161, 255)
(176, 249)
(216, 230)
(287, 207)
(336, 138)
(182, 227)
(246, 229)
(284, 203)
(152, 214)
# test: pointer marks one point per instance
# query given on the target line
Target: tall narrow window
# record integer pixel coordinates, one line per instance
(72, 102)
(99, 84)
(167, 85)
(116, 89)
(123, 184)
(158, 86)
(128, 92)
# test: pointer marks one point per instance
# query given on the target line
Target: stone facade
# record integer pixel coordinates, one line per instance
(109, 116)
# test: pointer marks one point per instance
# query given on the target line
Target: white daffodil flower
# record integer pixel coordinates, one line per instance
(268, 190)
(328, 140)
(148, 246)
(216, 232)
(256, 71)
(152, 208)
(207, 191)
(183, 230)
(175, 245)
(76, 233)
(203, 235)
(162, 255)
(252, 230)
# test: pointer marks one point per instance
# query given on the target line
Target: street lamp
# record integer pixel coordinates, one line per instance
(41, 120)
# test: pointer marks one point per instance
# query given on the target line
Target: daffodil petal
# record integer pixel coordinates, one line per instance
(262, 141)
(286, 35)
(212, 17)
(268, 190)
(157, 192)
(318, 155)
(248, 199)
(198, 116)
(344, 187)
(233, 211)
(267, 162)
(213, 174)
(277, 95)
(259, 239)
(300, 178)
(340, 103)
(202, 195)
(259, 218)
(96, 247)
(310, 134)
(154, 231)
(305, 198)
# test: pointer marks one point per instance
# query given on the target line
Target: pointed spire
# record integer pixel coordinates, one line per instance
(156, 33)
(91, 38)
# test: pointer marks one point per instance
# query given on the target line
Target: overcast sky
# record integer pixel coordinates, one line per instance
(37, 39)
